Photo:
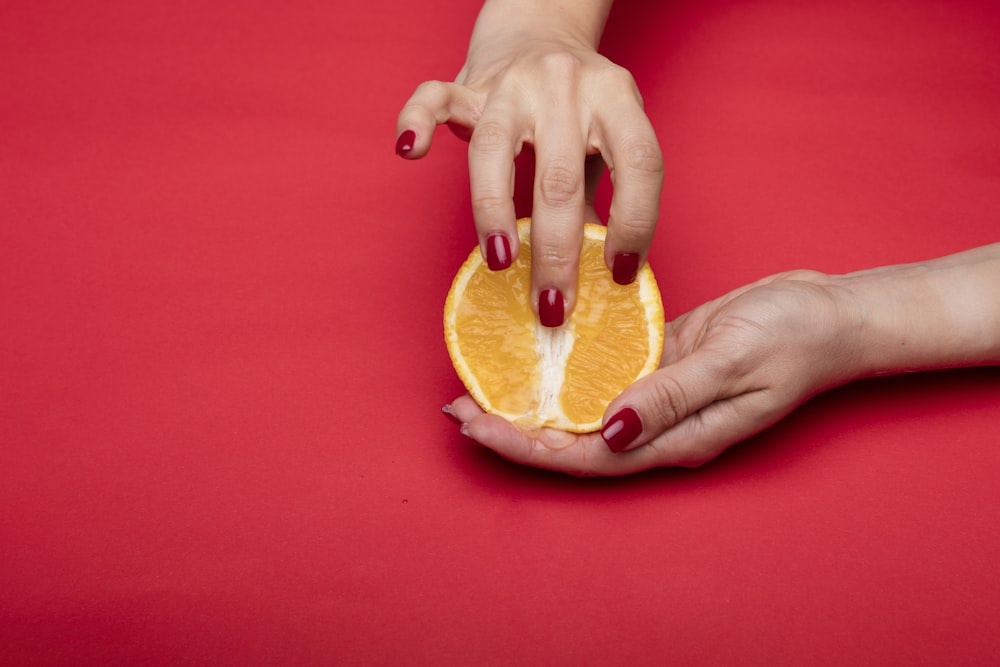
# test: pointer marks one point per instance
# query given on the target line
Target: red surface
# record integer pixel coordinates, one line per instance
(222, 362)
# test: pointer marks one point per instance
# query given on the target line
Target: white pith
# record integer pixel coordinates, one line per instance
(553, 346)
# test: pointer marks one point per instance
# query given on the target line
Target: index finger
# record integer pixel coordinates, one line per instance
(557, 214)
(494, 144)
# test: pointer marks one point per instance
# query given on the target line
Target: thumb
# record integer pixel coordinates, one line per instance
(433, 103)
(660, 400)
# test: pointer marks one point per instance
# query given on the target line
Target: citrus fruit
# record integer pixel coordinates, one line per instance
(562, 377)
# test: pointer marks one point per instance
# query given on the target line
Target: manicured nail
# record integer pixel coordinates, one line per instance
(550, 308)
(497, 252)
(624, 267)
(450, 414)
(624, 427)
(405, 143)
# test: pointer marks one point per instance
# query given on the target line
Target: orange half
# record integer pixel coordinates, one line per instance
(562, 377)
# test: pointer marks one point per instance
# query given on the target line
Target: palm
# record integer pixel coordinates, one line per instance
(761, 345)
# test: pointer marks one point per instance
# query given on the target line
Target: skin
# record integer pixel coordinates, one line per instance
(738, 364)
(533, 77)
(731, 367)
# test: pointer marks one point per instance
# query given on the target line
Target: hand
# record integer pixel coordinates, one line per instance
(533, 76)
(730, 369)
(736, 365)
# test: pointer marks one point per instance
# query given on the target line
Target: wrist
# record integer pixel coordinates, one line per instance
(943, 313)
(580, 22)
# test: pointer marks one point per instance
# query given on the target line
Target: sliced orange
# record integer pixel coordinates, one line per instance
(562, 377)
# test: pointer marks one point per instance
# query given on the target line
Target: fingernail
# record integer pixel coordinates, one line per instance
(550, 308)
(404, 144)
(450, 414)
(497, 252)
(625, 267)
(624, 427)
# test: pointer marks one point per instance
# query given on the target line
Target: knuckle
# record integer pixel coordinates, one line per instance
(487, 204)
(619, 83)
(559, 64)
(554, 257)
(432, 89)
(428, 97)
(669, 400)
(432, 100)
(641, 155)
(490, 137)
(744, 358)
(635, 224)
(618, 79)
(806, 276)
(559, 184)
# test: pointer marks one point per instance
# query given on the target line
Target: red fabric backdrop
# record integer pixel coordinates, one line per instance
(221, 359)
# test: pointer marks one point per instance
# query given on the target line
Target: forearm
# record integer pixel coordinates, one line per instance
(942, 313)
(582, 20)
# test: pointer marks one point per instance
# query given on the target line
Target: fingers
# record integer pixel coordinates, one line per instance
(664, 399)
(432, 104)
(581, 455)
(633, 155)
(558, 203)
(494, 144)
(561, 131)
(464, 409)
(704, 435)
(695, 440)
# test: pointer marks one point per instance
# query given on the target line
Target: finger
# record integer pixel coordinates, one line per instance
(704, 435)
(633, 155)
(518, 445)
(580, 455)
(495, 142)
(464, 409)
(432, 104)
(557, 213)
(663, 399)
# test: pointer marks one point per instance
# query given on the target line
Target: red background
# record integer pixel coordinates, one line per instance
(222, 358)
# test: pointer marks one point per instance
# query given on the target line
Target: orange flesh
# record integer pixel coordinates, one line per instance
(499, 337)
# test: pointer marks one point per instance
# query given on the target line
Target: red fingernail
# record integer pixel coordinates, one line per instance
(497, 252)
(624, 427)
(550, 308)
(405, 143)
(625, 267)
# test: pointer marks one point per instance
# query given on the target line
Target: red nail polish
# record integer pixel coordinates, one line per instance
(551, 308)
(405, 143)
(624, 427)
(497, 252)
(625, 267)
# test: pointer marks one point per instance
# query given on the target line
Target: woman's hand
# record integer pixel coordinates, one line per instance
(736, 365)
(730, 368)
(533, 76)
